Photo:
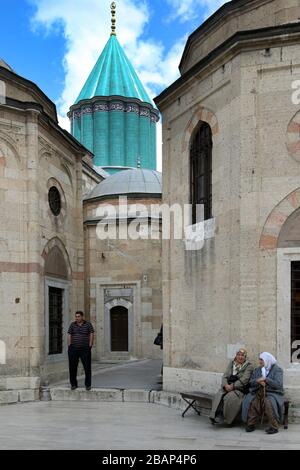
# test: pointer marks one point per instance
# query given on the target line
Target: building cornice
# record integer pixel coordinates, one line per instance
(258, 38)
(109, 103)
(12, 76)
(129, 196)
(219, 17)
(91, 172)
(24, 106)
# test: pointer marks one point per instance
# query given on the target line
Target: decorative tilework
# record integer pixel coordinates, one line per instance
(121, 107)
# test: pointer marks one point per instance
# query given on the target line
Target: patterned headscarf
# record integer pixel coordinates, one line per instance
(269, 361)
(236, 366)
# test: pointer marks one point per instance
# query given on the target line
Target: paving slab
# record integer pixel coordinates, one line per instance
(125, 426)
(134, 375)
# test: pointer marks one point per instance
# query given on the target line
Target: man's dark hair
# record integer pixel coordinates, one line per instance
(80, 313)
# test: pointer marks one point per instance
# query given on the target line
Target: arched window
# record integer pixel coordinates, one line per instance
(56, 269)
(201, 172)
(289, 237)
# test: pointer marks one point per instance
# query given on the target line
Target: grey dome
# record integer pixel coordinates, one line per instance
(5, 65)
(139, 182)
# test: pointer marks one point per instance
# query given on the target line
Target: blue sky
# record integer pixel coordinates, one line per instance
(31, 54)
(55, 43)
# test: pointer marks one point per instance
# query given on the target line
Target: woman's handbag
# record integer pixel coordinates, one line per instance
(232, 379)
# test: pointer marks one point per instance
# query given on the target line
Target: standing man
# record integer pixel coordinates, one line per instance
(80, 343)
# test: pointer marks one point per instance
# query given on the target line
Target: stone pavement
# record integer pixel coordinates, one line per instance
(136, 375)
(124, 411)
(125, 426)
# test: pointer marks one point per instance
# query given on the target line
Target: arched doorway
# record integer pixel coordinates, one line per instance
(57, 291)
(119, 329)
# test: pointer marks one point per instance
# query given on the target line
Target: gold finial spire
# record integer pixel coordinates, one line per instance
(113, 8)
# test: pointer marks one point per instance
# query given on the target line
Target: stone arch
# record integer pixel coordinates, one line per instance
(44, 155)
(270, 235)
(68, 173)
(118, 303)
(56, 261)
(201, 114)
(289, 236)
(292, 137)
(10, 144)
(44, 158)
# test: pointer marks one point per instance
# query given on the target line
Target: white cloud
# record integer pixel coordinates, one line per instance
(87, 29)
(187, 10)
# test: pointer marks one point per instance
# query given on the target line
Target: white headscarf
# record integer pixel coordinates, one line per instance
(269, 361)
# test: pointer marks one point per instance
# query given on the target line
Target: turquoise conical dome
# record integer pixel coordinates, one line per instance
(113, 115)
(113, 75)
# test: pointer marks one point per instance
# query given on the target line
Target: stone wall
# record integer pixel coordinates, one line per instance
(238, 16)
(34, 157)
(126, 273)
(225, 295)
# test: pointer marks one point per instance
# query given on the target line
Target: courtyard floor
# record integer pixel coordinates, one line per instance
(134, 375)
(125, 426)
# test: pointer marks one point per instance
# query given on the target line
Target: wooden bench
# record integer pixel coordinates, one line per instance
(192, 398)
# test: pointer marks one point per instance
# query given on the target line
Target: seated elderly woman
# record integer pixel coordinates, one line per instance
(227, 403)
(266, 395)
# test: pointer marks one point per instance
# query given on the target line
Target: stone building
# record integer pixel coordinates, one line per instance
(115, 118)
(51, 261)
(41, 235)
(123, 275)
(231, 127)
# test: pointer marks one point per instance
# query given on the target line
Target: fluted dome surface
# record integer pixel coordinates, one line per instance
(113, 75)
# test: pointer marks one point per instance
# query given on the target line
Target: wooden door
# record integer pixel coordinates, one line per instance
(119, 329)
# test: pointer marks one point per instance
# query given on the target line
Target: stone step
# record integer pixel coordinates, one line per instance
(9, 397)
(137, 396)
(110, 395)
(104, 395)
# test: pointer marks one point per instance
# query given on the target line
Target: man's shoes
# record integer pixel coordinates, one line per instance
(213, 421)
(88, 389)
(271, 431)
(250, 428)
(73, 387)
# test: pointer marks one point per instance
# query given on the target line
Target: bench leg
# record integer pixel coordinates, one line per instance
(190, 405)
(286, 415)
